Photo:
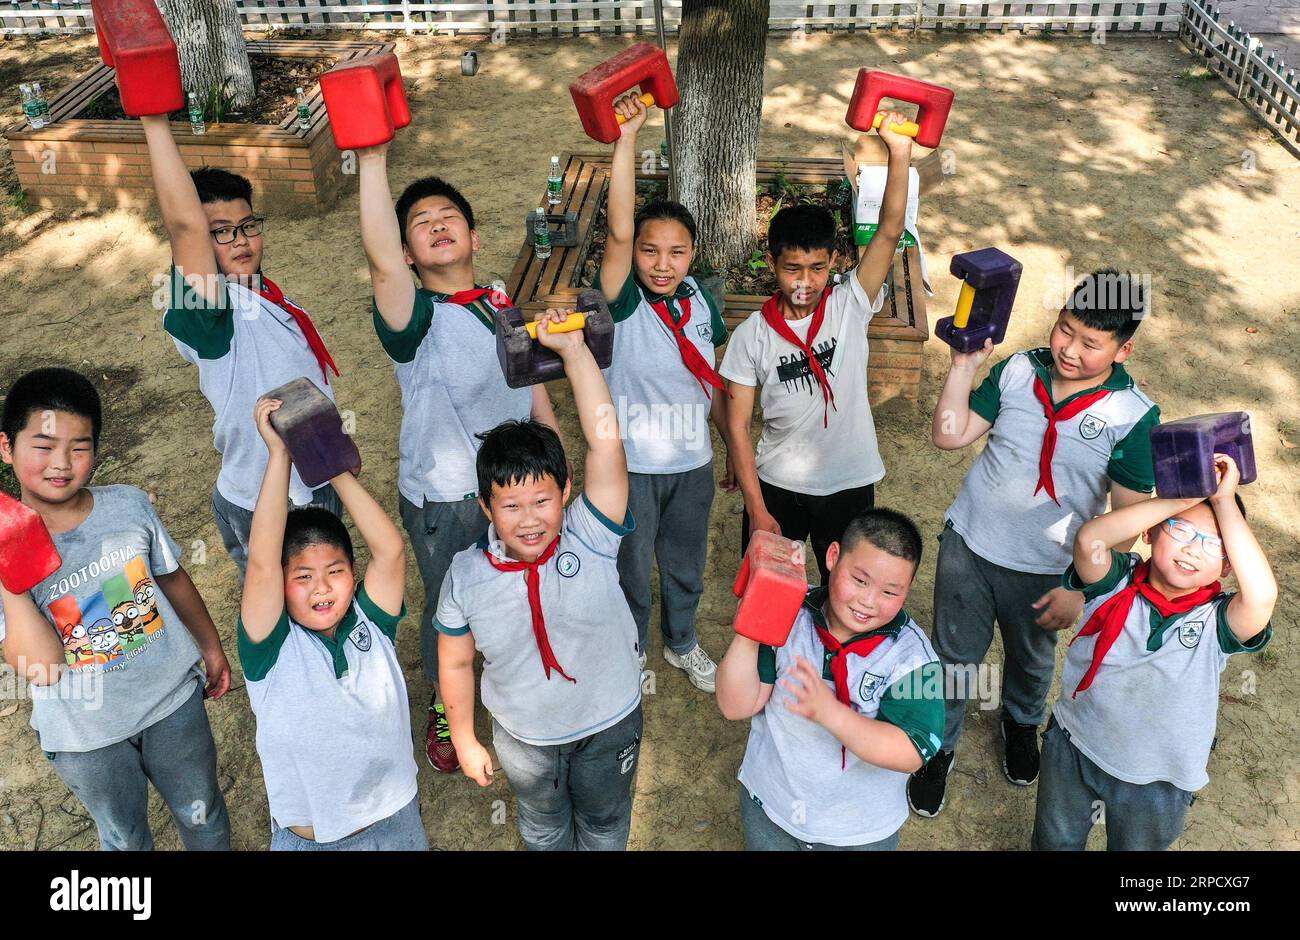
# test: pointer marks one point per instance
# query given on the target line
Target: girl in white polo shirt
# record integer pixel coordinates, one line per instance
(320, 658)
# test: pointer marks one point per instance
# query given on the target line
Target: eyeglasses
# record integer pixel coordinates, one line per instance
(227, 233)
(1186, 533)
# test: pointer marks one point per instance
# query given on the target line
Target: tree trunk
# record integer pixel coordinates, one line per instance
(210, 42)
(721, 49)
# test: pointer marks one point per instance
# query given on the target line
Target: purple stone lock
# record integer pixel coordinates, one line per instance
(1183, 452)
(311, 428)
(525, 361)
(995, 276)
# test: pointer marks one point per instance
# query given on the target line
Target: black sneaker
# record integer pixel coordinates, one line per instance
(927, 788)
(1020, 761)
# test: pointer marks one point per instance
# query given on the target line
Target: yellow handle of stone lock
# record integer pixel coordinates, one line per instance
(574, 321)
(964, 302)
(907, 128)
(649, 101)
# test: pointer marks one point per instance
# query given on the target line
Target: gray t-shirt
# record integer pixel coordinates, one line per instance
(131, 660)
(1151, 710)
(588, 623)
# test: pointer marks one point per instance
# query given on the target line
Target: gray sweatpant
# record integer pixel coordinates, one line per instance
(437, 532)
(235, 523)
(672, 528)
(970, 593)
(177, 754)
(1074, 794)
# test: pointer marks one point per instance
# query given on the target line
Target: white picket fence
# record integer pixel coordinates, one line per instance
(569, 17)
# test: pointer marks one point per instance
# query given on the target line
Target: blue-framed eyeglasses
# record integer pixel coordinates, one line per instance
(1183, 531)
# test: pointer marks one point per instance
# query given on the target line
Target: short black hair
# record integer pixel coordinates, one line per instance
(518, 451)
(314, 525)
(665, 209)
(51, 389)
(888, 530)
(217, 185)
(423, 189)
(1110, 300)
(805, 227)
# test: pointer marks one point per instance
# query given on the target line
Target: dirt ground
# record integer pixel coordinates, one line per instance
(1067, 154)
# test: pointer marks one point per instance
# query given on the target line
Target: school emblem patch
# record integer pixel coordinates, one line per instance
(1091, 426)
(567, 564)
(870, 685)
(1189, 632)
(361, 638)
(705, 330)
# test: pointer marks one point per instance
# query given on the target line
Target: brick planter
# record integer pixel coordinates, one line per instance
(896, 333)
(96, 164)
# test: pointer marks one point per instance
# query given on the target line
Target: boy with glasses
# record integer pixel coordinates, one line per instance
(234, 323)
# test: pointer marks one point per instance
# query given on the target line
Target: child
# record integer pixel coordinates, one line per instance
(441, 338)
(818, 461)
(560, 673)
(1066, 425)
(117, 688)
(825, 767)
(666, 389)
(1132, 731)
(233, 322)
(320, 657)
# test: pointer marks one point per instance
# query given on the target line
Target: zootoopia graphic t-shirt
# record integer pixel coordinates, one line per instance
(131, 660)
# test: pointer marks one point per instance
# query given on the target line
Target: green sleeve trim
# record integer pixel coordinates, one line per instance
(1228, 641)
(1130, 462)
(207, 329)
(1121, 564)
(628, 299)
(402, 346)
(986, 400)
(450, 631)
(257, 659)
(382, 618)
(716, 323)
(766, 664)
(914, 704)
(628, 526)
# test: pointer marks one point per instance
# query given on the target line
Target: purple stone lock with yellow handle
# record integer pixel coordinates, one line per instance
(1183, 452)
(990, 279)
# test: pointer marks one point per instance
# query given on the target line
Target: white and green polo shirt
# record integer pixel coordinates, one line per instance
(452, 389)
(807, 447)
(663, 412)
(1151, 710)
(792, 765)
(244, 346)
(588, 623)
(333, 721)
(997, 512)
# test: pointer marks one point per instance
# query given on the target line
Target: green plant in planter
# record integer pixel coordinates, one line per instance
(218, 102)
(756, 261)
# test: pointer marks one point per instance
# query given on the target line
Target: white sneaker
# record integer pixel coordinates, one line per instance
(697, 666)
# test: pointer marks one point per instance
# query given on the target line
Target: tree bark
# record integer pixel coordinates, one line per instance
(721, 49)
(210, 42)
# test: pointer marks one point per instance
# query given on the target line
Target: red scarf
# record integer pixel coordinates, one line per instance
(776, 320)
(499, 298)
(1109, 618)
(534, 579)
(840, 653)
(271, 291)
(696, 363)
(1053, 416)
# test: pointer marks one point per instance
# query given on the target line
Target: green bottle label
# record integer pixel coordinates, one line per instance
(304, 114)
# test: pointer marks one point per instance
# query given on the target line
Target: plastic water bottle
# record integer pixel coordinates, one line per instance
(541, 236)
(304, 111)
(31, 109)
(42, 106)
(197, 127)
(554, 183)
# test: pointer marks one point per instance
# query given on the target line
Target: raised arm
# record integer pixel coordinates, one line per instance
(32, 646)
(740, 692)
(878, 258)
(381, 237)
(182, 212)
(605, 476)
(386, 575)
(620, 203)
(955, 425)
(263, 600)
(1251, 610)
(1119, 527)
